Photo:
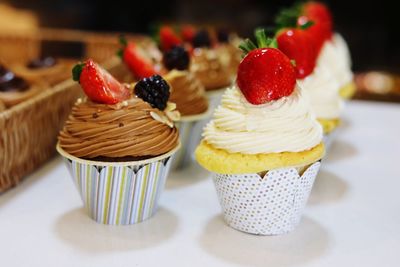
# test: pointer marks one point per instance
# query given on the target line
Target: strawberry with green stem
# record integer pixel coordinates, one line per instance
(297, 44)
(312, 15)
(98, 84)
(265, 73)
(168, 38)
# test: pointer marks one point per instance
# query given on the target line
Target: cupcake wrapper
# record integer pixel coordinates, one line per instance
(120, 194)
(328, 139)
(189, 137)
(271, 205)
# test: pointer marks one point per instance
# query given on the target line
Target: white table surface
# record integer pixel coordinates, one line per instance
(352, 218)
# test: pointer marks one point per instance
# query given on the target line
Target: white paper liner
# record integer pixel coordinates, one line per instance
(328, 139)
(189, 139)
(119, 193)
(271, 205)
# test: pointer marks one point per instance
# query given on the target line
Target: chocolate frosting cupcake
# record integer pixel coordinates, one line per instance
(131, 129)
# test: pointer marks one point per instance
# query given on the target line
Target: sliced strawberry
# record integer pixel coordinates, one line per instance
(168, 38)
(137, 61)
(297, 45)
(188, 32)
(265, 74)
(98, 84)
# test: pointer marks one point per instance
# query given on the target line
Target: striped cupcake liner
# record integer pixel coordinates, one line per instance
(189, 136)
(271, 204)
(119, 193)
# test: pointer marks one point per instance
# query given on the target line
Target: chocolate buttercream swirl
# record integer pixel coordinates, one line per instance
(127, 129)
(208, 68)
(187, 92)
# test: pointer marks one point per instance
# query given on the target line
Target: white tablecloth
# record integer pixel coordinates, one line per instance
(352, 218)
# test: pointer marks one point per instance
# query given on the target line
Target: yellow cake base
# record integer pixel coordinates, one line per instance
(348, 91)
(328, 125)
(221, 161)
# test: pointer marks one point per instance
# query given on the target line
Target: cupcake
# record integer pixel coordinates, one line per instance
(207, 64)
(263, 145)
(2, 106)
(14, 89)
(117, 144)
(307, 43)
(342, 67)
(186, 90)
(46, 69)
(227, 47)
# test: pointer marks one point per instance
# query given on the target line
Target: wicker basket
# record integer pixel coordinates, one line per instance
(22, 46)
(28, 131)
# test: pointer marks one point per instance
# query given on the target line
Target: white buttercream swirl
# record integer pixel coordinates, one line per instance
(331, 73)
(284, 125)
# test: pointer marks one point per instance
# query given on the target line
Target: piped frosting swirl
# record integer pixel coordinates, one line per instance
(208, 68)
(284, 125)
(187, 92)
(127, 129)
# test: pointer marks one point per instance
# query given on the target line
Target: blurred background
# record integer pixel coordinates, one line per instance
(370, 27)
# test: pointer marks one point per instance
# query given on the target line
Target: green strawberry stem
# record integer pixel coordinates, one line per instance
(287, 18)
(77, 70)
(262, 42)
(124, 43)
(307, 25)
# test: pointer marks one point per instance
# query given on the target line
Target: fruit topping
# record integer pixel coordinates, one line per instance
(265, 73)
(136, 60)
(98, 84)
(298, 46)
(223, 35)
(176, 58)
(201, 39)
(168, 38)
(154, 90)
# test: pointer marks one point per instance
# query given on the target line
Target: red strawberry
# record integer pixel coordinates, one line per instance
(188, 32)
(98, 84)
(136, 60)
(320, 15)
(168, 38)
(297, 45)
(265, 74)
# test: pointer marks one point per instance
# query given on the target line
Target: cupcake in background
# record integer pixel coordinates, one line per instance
(304, 34)
(117, 144)
(186, 90)
(263, 144)
(15, 89)
(2, 106)
(46, 69)
(228, 48)
(208, 65)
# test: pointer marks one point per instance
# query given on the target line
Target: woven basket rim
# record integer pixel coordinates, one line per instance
(65, 154)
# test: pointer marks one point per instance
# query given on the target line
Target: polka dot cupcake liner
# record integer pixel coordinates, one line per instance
(270, 204)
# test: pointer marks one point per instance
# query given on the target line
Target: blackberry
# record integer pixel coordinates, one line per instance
(223, 35)
(154, 90)
(176, 58)
(201, 39)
